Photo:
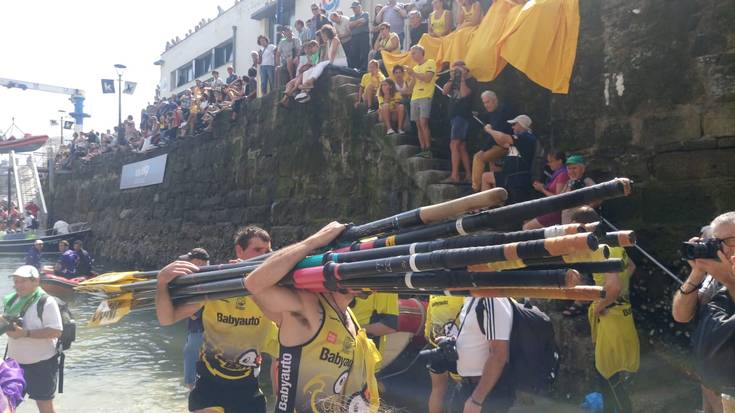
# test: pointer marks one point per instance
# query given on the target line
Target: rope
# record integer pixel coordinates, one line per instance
(646, 254)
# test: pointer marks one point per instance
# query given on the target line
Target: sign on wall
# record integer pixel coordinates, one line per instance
(330, 5)
(143, 173)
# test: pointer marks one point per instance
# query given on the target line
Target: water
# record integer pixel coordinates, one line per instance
(133, 366)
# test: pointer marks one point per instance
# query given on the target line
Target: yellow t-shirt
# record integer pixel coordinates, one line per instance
(375, 304)
(396, 99)
(618, 253)
(438, 25)
(368, 79)
(236, 333)
(442, 317)
(424, 90)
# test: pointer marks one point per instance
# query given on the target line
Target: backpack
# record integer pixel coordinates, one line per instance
(534, 355)
(69, 326)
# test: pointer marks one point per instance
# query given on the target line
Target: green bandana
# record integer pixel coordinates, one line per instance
(20, 303)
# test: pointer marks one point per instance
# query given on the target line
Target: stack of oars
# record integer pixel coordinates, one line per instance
(428, 250)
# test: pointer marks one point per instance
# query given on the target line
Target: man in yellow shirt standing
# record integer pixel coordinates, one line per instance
(378, 315)
(424, 76)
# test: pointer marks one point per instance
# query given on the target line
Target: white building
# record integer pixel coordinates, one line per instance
(228, 39)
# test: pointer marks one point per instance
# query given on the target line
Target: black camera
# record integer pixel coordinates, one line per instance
(445, 351)
(9, 323)
(701, 249)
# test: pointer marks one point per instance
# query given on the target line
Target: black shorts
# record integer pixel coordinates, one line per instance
(41, 378)
(234, 396)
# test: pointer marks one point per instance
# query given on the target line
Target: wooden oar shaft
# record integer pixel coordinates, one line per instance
(620, 238)
(581, 293)
(425, 215)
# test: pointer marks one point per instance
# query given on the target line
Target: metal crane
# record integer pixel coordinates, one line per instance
(76, 95)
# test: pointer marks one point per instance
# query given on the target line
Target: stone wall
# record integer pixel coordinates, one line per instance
(652, 98)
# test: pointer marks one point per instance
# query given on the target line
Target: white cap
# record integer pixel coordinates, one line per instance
(26, 271)
(523, 120)
(38, 241)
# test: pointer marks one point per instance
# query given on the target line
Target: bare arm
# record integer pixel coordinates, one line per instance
(379, 16)
(684, 306)
(263, 282)
(378, 329)
(166, 312)
(612, 292)
(490, 372)
(424, 77)
(477, 15)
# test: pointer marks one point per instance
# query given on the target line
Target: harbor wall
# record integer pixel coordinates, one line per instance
(652, 97)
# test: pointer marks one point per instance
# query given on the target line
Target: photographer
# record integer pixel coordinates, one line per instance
(713, 280)
(32, 341)
(483, 353)
(459, 89)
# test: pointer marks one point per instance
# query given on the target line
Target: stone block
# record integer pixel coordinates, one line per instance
(416, 164)
(286, 235)
(680, 124)
(339, 80)
(347, 89)
(444, 192)
(404, 139)
(236, 199)
(426, 178)
(719, 120)
(726, 142)
(406, 151)
(692, 165)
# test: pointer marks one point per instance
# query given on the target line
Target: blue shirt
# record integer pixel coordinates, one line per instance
(68, 261)
(34, 258)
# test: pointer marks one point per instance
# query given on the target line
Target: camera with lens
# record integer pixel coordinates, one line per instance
(9, 323)
(445, 351)
(701, 249)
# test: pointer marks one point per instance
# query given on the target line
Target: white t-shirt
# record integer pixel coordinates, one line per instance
(473, 345)
(32, 350)
(61, 227)
(268, 56)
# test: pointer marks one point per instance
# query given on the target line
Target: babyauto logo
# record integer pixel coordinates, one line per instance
(330, 5)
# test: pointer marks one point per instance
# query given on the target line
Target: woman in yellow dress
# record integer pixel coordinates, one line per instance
(440, 20)
(470, 14)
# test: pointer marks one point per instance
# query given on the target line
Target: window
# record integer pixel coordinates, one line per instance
(172, 82)
(203, 64)
(185, 75)
(223, 54)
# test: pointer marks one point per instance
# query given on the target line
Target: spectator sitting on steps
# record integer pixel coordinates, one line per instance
(311, 48)
(554, 185)
(335, 55)
(497, 116)
(389, 102)
(386, 41)
(369, 85)
(515, 176)
(577, 180)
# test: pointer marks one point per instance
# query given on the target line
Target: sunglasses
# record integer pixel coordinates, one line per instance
(729, 241)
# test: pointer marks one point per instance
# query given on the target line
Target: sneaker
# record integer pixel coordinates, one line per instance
(401, 132)
(302, 97)
(369, 111)
(390, 132)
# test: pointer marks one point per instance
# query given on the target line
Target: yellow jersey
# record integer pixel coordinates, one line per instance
(394, 100)
(438, 25)
(618, 253)
(424, 90)
(333, 368)
(236, 333)
(368, 79)
(376, 304)
(442, 316)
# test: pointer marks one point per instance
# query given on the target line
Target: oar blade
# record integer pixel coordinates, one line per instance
(109, 283)
(112, 311)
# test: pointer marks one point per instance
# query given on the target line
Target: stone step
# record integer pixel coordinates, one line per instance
(407, 151)
(444, 192)
(416, 164)
(339, 80)
(404, 139)
(429, 177)
(348, 89)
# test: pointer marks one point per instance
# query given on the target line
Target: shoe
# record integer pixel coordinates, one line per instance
(369, 111)
(390, 132)
(302, 97)
(401, 132)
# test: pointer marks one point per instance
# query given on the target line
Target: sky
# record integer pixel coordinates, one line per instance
(75, 43)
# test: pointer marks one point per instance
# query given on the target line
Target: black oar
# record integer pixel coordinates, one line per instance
(510, 214)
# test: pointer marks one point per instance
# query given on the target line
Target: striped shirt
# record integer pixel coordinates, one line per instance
(495, 323)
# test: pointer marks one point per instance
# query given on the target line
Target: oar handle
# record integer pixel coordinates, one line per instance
(620, 238)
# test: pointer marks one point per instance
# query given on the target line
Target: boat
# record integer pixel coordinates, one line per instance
(59, 286)
(26, 144)
(19, 243)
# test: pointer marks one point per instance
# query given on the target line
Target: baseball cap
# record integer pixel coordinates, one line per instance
(26, 271)
(38, 241)
(575, 160)
(355, 4)
(199, 253)
(523, 120)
